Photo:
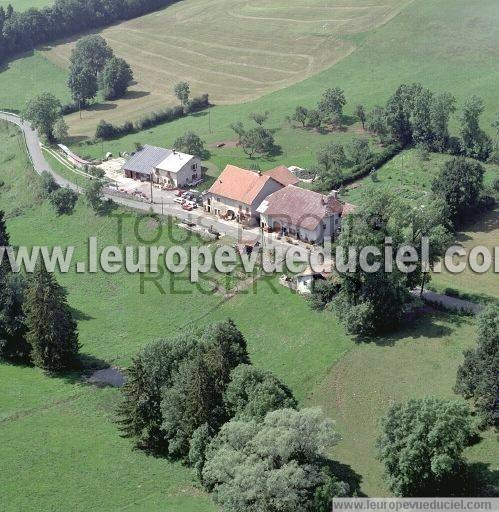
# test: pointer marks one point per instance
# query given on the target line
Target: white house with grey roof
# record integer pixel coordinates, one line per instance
(164, 166)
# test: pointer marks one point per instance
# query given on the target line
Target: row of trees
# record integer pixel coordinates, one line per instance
(36, 323)
(196, 397)
(22, 31)
(106, 130)
(93, 66)
(412, 115)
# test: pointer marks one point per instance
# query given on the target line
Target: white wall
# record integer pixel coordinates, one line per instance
(316, 235)
(224, 203)
(185, 175)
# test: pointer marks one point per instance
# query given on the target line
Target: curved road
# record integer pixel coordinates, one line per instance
(40, 165)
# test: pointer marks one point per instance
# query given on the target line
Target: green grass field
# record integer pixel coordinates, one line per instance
(419, 360)
(234, 51)
(418, 44)
(28, 76)
(63, 449)
(409, 178)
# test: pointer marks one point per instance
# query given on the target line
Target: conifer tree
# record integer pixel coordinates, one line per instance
(52, 331)
(13, 344)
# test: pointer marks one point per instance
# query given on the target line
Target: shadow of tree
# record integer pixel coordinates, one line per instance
(424, 326)
(345, 473)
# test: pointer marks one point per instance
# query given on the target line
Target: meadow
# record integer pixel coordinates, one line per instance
(62, 445)
(410, 178)
(235, 51)
(418, 44)
(419, 360)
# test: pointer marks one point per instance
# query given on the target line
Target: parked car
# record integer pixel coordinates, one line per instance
(179, 192)
(187, 206)
(179, 200)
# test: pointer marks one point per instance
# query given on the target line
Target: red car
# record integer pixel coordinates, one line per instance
(179, 192)
(187, 206)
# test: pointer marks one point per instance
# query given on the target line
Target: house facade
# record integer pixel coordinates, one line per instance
(237, 193)
(303, 214)
(163, 166)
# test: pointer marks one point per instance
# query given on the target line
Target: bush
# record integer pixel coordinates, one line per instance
(495, 184)
(105, 130)
(63, 200)
(69, 108)
(376, 161)
(108, 131)
(95, 171)
(47, 184)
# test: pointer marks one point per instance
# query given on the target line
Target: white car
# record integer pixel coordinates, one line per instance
(179, 200)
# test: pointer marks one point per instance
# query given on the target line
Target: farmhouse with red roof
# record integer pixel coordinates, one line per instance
(237, 193)
(304, 214)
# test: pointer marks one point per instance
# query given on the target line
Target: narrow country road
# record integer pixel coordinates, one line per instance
(40, 165)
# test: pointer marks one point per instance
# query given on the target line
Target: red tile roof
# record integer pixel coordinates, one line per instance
(302, 208)
(239, 184)
(283, 176)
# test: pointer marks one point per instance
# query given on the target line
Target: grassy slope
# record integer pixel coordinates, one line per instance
(410, 179)
(259, 47)
(420, 44)
(60, 448)
(417, 45)
(283, 335)
(26, 77)
(420, 360)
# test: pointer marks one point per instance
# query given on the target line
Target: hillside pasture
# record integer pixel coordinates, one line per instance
(420, 360)
(235, 51)
(410, 178)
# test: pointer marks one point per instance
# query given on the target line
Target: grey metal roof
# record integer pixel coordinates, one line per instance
(146, 159)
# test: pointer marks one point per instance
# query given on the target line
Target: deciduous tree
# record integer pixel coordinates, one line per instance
(91, 52)
(459, 183)
(252, 393)
(277, 464)
(63, 200)
(115, 78)
(332, 103)
(43, 111)
(259, 117)
(60, 130)
(82, 82)
(476, 143)
(421, 445)
(477, 376)
(182, 91)
(361, 114)
(190, 143)
(300, 115)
